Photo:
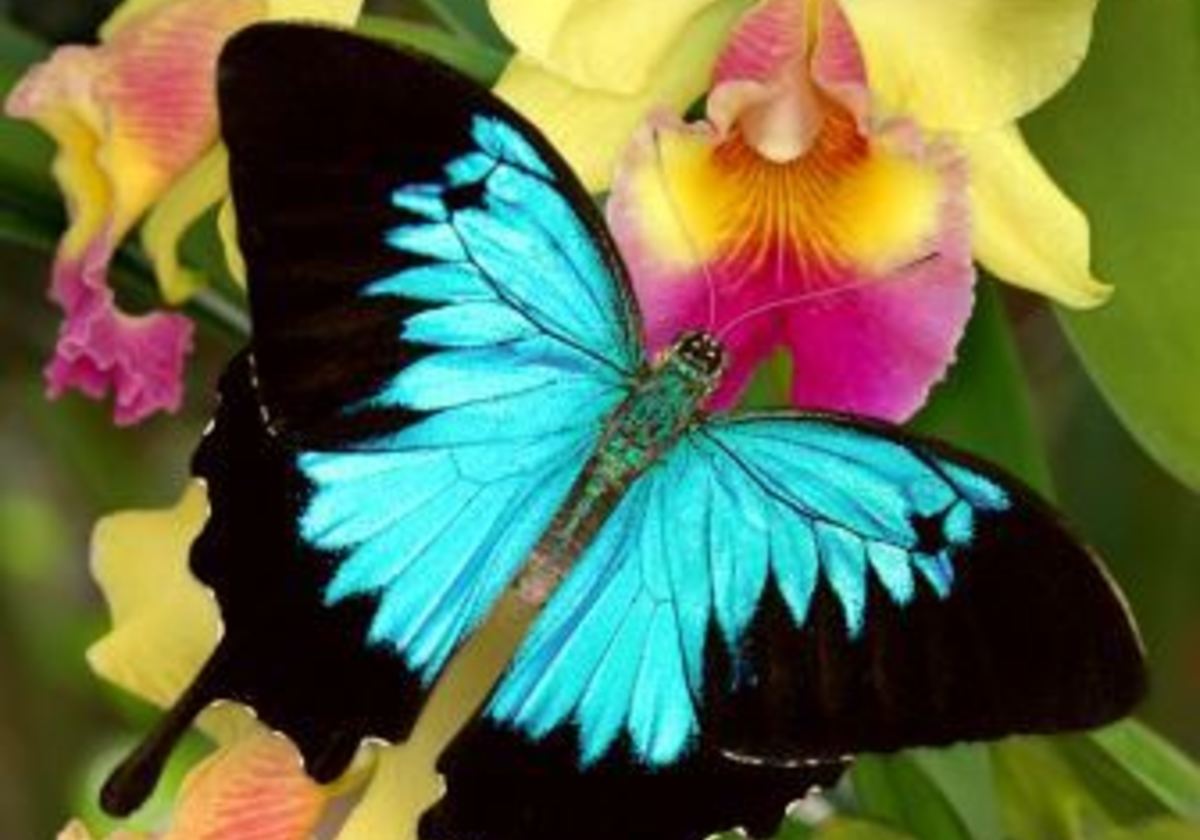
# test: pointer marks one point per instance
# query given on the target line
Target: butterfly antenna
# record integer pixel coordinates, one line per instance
(899, 275)
(693, 247)
(134, 779)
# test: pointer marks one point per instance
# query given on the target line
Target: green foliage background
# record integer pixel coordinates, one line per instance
(1100, 410)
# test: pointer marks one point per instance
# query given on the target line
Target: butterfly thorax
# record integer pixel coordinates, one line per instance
(664, 402)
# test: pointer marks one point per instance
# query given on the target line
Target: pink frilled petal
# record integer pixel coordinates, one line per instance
(852, 253)
(139, 358)
(255, 789)
(129, 116)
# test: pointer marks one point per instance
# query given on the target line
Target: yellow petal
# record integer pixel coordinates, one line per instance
(1026, 231)
(255, 788)
(406, 780)
(342, 12)
(165, 623)
(967, 65)
(605, 45)
(590, 128)
(132, 114)
(189, 198)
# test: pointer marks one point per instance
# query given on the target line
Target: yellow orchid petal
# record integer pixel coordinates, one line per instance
(165, 623)
(406, 781)
(341, 12)
(255, 788)
(968, 65)
(133, 113)
(590, 128)
(590, 43)
(1026, 231)
(189, 198)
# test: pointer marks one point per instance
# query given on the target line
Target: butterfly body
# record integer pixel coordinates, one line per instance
(663, 402)
(715, 610)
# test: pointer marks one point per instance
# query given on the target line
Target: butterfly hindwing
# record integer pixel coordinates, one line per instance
(950, 604)
(788, 589)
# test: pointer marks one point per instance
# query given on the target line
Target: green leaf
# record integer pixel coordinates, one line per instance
(1130, 763)
(25, 153)
(482, 63)
(468, 20)
(843, 828)
(894, 790)
(1122, 141)
(1041, 797)
(771, 385)
(1165, 829)
(964, 775)
(19, 48)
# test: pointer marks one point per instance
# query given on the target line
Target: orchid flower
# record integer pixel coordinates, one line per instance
(135, 122)
(165, 624)
(853, 158)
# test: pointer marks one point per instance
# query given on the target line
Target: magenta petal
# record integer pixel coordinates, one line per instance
(878, 350)
(878, 346)
(140, 358)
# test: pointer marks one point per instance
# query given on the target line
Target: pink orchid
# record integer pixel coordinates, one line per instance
(135, 121)
(792, 218)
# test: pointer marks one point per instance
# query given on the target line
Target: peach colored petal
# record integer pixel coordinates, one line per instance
(255, 789)
(145, 95)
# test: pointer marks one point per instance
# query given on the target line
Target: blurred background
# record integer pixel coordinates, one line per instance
(63, 464)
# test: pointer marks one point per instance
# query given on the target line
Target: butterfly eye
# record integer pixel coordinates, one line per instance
(702, 351)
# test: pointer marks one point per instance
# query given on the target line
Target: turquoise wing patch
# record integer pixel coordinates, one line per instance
(739, 505)
(528, 343)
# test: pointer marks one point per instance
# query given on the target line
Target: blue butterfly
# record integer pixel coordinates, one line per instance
(446, 414)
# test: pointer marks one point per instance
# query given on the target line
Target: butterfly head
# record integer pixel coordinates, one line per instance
(701, 356)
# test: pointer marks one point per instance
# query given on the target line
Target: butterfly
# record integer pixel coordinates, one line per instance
(446, 435)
